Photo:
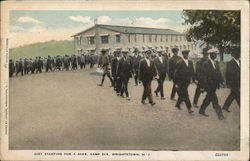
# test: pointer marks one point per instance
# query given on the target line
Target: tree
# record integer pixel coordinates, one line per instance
(218, 28)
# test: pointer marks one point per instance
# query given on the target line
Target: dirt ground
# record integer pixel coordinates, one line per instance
(68, 111)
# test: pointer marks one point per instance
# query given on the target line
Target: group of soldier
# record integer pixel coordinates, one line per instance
(50, 64)
(144, 66)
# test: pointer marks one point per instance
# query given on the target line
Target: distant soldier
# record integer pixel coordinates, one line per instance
(162, 68)
(136, 60)
(91, 60)
(39, 64)
(184, 72)
(74, 62)
(198, 76)
(171, 67)
(211, 81)
(105, 67)
(79, 60)
(233, 79)
(19, 67)
(11, 68)
(25, 67)
(82, 61)
(114, 63)
(49, 64)
(124, 72)
(147, 72)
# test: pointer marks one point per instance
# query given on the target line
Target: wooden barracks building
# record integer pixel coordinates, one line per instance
(111, 37)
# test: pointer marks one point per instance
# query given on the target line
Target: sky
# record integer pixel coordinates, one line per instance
(27, 26)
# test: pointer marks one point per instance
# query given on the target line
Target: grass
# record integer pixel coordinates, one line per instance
(43, 49)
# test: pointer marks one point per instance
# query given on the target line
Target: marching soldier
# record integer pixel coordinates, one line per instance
(105, 67)
(19, 67)
(147, 72)
(25, 66)
(172, 63)
(49, 64)
(11, 68)
(136, 60)
(198, 76)
(184, 72)
(82, 61)
(211, 81)
(74, 62)
(114, 63)
(40, 64)
(162, 68)
(233, 79)
(124, 72)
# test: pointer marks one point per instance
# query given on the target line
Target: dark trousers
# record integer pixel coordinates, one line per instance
(211, 97)
(136, 76)
(173, 91)
(234, 95)
(147, 93)
(108, 75)
(160, 84)
(182, 91)
(125, 86)
(197, 94)
(19, 71)
(118, 85)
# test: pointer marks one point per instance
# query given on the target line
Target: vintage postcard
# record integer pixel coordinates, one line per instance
(125, 80)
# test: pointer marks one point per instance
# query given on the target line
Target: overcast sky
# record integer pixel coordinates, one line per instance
(39, 26)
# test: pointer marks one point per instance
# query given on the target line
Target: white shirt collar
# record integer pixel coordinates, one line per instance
(237, 61)
(185, 60)
(160, 58)
(212, 61)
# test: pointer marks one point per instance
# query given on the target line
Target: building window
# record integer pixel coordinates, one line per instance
(105, 39)
(184, 47)
(118, 38)
(129, 38)
(91, 40)
(150, 38)
(171, 38)
(143, 38)
(180, 38)
(166, 38)
(176, 38)
(161, 38)
(188, 47)
(78, 40)
(155, 38)
(135, 38)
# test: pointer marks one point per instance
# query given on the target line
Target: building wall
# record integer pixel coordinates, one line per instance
(135, 41)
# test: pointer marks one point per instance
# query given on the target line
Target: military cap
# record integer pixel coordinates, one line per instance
(136, 51)
(148, 51)
(175, 49)
(213, 50)
(185, 51)
(124, 51)
(205, 50)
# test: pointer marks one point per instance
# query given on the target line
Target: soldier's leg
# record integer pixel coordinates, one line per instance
(126, 87)
(187, 100)
(228, 101)
(144, 95)
(136, 77)
(205, 103)
(149, 93)
(216, 106)
(173, 91)
(161, 86)
(180, 97)
(197, 95)
(110, 78)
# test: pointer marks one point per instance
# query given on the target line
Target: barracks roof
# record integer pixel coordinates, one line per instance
(134, 30)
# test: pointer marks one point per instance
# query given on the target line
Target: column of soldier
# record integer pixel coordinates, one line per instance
(50, 64)
(148, 65)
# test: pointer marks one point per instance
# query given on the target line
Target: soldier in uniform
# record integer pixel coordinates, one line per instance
(233, 79)
(183, 74)
(124, 72)
(25, 66)
(19, 67)
(114, 63)
(162, 68)
(74, 62)
(136, 60)
(49, 64)
(198, 76)
(171, 67)
(11, 68)
(82, 61)
(105, 67)
(39, 64)
(211, 81)
(147, 72)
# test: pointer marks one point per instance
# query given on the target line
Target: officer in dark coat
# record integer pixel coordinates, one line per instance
(198, 76)
(233, 79)
(171, 67)
(147, 72)
(184, 72)
(49, 64)
(11, 68)
(114, 63)
(136, 60)
(124, 72)
(211, 81)
(162, 68)
(39, 64)
(25, 66)
(74, 62)
(106, 68)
